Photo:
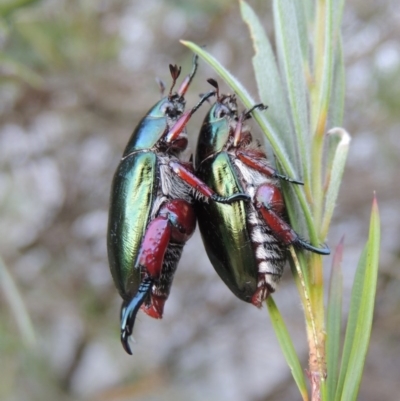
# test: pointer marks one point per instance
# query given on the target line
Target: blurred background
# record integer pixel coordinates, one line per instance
(75, 78)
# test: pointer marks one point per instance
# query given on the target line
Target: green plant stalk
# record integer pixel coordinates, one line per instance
(315, 334)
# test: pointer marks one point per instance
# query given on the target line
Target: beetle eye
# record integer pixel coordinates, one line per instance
(221, 111)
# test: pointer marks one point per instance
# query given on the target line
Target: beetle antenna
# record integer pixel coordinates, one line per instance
(187, 81)
(175, 72)
(201, 95)
(202, 100)
(261, 106)
(161, 85)
(129, 311)
(214, 83)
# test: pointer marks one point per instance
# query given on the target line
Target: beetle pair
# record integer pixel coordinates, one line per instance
(155, 198)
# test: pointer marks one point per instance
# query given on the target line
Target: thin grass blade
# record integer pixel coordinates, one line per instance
(287, 347)
(359, 323)
(334, 321)
(365, 313)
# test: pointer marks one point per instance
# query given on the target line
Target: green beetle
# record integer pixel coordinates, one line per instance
(246, 242)
(151, 208)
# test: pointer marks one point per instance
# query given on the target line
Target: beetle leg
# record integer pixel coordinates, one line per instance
(181, 222)
(201, 187)
(186, 82)
(129, 311)
(180, 124)
(257, 164)
(161, 246)
(239, 125)
(269, 202)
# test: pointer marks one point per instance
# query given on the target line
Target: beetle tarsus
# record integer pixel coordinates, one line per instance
(230, 199)
(129, 311)
(288, 179)
(305, 245)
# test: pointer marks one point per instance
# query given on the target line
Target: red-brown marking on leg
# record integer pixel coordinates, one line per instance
(251, 161)
(154, 245)
(178, 127)
(188, 176)
(155, 308)
(269, 203)
(238, 132)
(182, 218)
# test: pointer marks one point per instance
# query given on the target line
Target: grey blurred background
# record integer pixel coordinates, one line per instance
(76, 76)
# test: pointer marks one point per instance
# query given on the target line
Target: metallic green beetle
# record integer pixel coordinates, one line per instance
(246, 242)
(151, 208)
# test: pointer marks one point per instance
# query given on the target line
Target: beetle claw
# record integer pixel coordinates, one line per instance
(305, 245)
(129, 311)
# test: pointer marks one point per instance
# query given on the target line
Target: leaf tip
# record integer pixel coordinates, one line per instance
(375, 208)
(338, 255)
(344, 136)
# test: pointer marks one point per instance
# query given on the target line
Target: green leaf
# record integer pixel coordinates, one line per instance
(336, 108)
(269, 82)
(19, 311)
(291, 61)
(287, 347)
(327, 60)
(334, 173)
(361, 314)
(302, 22)
(334, 321)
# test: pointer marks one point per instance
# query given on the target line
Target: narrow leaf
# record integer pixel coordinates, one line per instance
(334, 321)
(334, 173)
(365, 313)
(302, 22)
(336, 109)
(325, 66)
(291, 61)
(269, 83)
(359, 322)
(287, 347)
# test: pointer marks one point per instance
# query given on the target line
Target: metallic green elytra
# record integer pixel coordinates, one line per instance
(224, 231)
(131, 202)
(246, 242)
